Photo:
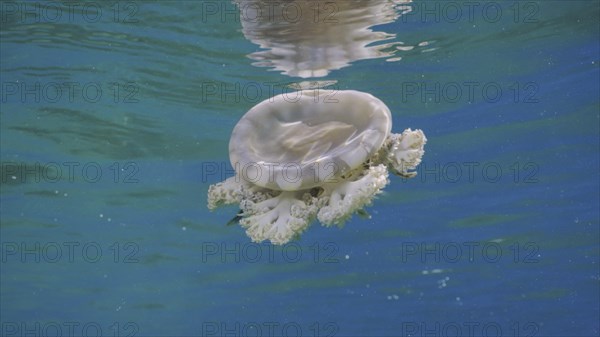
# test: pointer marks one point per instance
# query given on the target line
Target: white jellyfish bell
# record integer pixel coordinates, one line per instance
(312, 154)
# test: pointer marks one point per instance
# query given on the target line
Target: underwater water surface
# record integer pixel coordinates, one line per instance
(115, 119)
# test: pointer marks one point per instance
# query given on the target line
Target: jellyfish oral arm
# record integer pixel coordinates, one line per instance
(403, 152)
(348, 197)
(226, 192)
(234, 190)
(279, 218)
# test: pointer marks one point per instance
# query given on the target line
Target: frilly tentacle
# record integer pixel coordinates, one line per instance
(233, 190)
(224, 193)
(279, 218)
(347, 197)
(403, 152)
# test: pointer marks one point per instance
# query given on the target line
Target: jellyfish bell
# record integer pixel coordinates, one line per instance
(303, 139)
(347, 130)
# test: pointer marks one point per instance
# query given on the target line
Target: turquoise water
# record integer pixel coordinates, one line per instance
(116, 117)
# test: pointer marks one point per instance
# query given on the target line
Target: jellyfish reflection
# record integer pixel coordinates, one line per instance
(308, 38)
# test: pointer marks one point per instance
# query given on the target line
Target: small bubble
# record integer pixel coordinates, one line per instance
(347, 257)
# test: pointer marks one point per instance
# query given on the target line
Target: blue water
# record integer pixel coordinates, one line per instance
(115, 119)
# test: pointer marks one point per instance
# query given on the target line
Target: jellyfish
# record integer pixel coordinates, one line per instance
(312, 154)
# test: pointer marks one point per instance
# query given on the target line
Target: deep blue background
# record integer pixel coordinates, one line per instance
(180, 271)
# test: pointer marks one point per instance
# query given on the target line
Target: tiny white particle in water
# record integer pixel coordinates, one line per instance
(101, 215)
(347, 257)
(109, 219)
(183, 228)
(395, 297)
(65, 194)
(14, 177)
(442, 282)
